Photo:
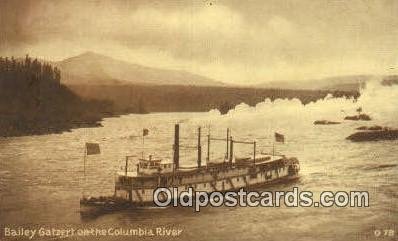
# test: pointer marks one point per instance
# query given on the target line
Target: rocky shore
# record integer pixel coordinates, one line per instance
(326, 122)
(363, 117)
(374, 133)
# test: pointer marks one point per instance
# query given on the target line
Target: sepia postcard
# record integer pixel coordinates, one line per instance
(202, 120)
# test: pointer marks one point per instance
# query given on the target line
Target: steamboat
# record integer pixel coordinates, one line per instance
(135, 185)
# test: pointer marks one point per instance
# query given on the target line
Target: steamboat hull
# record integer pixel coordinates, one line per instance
(91, 206)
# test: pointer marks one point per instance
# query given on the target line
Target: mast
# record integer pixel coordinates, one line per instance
(199, 149)
(208, 147)
(254, 152)
(84, 161)
(176, 146)
(143, 145)
(273, 148)
(227, 141)
(84, 170)
(126, 167)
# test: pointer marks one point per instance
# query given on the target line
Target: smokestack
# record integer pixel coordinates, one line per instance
(176, 147)
(199, 149)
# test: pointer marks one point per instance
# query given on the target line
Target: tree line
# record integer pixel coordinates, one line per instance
(27, 81)
(33, 100)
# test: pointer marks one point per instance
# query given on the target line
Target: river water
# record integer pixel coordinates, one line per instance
(41, 177)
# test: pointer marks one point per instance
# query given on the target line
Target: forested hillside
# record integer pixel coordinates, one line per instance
(32, 100)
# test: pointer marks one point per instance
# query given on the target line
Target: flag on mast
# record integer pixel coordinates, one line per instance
(145, 132)
(279, 137)
(92, 149)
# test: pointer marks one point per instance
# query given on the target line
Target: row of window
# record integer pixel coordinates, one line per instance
(205, 184)
(237, 179)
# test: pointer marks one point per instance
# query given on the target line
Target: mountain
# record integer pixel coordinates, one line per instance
(344, 83)
(91, 68)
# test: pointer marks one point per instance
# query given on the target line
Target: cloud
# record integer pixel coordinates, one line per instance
(227, 40)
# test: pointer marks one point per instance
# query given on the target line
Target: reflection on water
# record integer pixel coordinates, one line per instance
(41, 176)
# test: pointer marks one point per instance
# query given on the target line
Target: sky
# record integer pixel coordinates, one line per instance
(234, 41)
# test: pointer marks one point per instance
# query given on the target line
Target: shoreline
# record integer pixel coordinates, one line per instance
(60, 124)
